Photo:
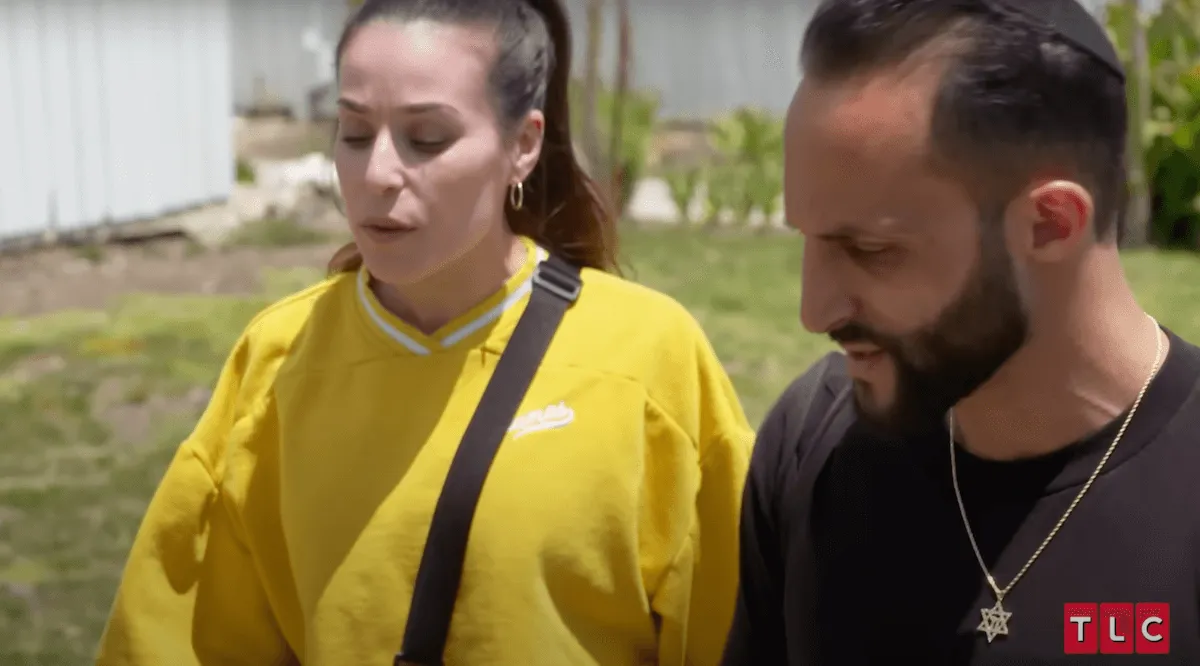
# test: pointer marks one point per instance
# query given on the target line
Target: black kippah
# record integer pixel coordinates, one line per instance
(1074, 24)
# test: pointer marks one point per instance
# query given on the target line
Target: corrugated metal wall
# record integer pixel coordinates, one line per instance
(113, 111)
(704, 57)
(120, 108)
(282, 50)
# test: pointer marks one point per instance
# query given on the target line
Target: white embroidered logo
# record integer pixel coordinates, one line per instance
(554, 416)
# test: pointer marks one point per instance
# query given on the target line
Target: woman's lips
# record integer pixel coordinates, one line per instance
(384, 232)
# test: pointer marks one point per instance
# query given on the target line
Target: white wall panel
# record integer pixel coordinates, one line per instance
(112, 111)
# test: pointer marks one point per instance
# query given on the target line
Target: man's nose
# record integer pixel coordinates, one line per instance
(824, 304)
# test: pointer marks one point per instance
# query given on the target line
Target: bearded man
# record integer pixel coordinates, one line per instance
(1004, 465)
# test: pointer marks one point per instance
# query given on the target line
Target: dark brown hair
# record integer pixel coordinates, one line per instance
(1015, 99)
(563, 209)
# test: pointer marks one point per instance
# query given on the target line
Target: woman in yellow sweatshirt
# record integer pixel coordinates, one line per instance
(290, 526)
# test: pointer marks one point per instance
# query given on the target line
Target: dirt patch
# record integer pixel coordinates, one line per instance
(681, 143)
(91, 278)
(54, 278)
(276, 138)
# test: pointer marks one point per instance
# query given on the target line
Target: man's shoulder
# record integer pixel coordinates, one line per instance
(1183, 345)
(781, 436)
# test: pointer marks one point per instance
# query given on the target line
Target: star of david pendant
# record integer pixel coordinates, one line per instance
(995, 621)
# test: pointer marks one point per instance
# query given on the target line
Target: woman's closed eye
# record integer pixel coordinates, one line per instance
(428, 143)
(356, 137)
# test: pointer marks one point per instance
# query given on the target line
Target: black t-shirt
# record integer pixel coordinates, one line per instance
(883, 562)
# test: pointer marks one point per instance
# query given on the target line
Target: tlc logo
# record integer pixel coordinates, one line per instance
(1143, 628)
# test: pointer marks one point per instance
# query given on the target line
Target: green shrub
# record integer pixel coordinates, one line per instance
(684, 183)
(639, 119)
(1171, 155)
(749, 144)
(723, 187)
(244, 171)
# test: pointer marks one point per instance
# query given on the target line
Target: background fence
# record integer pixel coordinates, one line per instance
(283, 52)
(114, 111)
(703, 57)
(121, 109)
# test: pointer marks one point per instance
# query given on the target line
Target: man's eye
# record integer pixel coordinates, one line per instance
(873, 256)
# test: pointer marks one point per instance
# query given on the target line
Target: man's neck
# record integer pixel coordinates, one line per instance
(1071, 379)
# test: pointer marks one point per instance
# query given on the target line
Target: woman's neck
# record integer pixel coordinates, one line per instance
(432, 303)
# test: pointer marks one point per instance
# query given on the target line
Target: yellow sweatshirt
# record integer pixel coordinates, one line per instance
(290, 524)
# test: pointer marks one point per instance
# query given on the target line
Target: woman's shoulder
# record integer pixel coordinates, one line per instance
(633, 329)
(630, 304)
(274, 332)
(638, 333)
(252, 368)
(282, 320)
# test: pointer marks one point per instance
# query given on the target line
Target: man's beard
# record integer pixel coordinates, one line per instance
(942, 363)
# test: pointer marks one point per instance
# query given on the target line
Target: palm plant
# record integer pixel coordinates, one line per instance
(1171, 155)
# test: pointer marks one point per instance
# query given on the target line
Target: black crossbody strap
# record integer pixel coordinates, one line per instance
(556, 285)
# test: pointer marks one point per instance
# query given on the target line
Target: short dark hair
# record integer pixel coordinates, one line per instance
(1014, 99)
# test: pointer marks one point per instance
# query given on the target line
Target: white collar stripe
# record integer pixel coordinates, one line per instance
(458, 335)
(487, 317)
(391, 331)
(494, 313)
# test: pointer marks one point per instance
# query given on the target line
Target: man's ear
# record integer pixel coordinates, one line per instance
(527, 147)
(1052, 221)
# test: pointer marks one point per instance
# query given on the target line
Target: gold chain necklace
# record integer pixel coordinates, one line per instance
(995, 619)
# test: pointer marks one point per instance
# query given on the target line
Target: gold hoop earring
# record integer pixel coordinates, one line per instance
(516, 195)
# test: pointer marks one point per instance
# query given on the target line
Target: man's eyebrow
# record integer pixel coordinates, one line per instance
(844, 231)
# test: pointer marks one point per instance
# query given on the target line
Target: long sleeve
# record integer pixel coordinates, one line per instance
(757, 637)
(694, 600)
(702, 583)
(190, 594)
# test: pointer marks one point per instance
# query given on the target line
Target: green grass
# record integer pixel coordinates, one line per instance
(92, 405)
(276, 232)
(244, 171)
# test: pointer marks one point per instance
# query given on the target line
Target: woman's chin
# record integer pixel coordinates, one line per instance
(393, 265)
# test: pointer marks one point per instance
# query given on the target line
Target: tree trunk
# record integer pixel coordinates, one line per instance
(1137, 232)
(620, 90)
(591, 81)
